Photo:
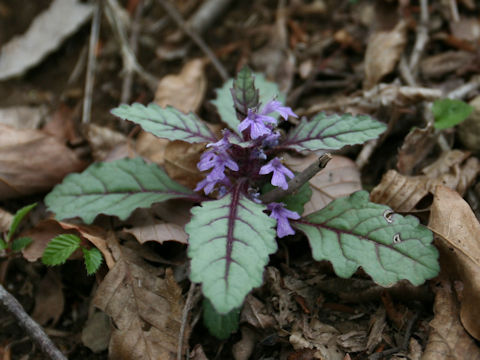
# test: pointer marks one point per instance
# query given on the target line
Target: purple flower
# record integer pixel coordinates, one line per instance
(276, 106)
(279, 213)
(279, 173)
(223, 144)
(271, 140)
(257, 125)
(218, 161)
(208, 184)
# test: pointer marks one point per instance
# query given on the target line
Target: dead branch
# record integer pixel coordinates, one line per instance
(31, 327)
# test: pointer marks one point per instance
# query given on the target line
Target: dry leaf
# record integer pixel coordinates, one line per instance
(49, 299)
(197, 353)
(340, 177)
(104, 140)
(255, 313)
(469, 130)
(158, 231)
(403, 193)
(151, 147)
(32, 162)
(96, 332)
(415, 148)
(446, 62)
(23, 117)
(45, 34)
(383, 52)
(145, 309)
(454, 221)
(181, 160)
(243, 349)
(448, 339)
(5, 220)
(186, 90)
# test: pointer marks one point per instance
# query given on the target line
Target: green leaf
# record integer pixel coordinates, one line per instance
(21, 243)
(220, 326)
(295, 201)
(114, 188)
(226, 108)
(60, 248)
(352, 232)
(230, 241)
(3, 244)
(93, 259)
(331, 132)
(448, 113)
(168, 123)
(244, 94)
(19, 215)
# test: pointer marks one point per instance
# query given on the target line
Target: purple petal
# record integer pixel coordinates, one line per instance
(265, 169)
(278, 179)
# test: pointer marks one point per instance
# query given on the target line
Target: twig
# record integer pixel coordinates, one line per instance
(463, 90)
(206, 15)
(189, 304)
(406, 73)
(297, 181)
(91, 64)
(31, 327)
(403, 346)
(177, 17)
(366, 152)
(454, 10)
(130, 62)
(128, 78)
(421, 40)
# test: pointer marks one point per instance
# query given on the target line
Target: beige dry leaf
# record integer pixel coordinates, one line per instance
(403, 193)
(146, 310)
(454, 221)
(181, 160)
(32, 162)
(103, 141)
(49, 299)
(6, 219)
(23, 117)
(383, 52)
(186, 90)
(448, 340)
(438, 65)
(340, 178)
(158, 231)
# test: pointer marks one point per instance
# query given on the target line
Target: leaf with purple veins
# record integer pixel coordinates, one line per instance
(229, 245)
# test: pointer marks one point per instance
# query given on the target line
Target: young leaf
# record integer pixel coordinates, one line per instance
(226, 107)
(93, 259)
(168, 123)
(448, 113)
(60, 248)
(230, 240)
(3, 244)
(113, 188)
(352, 232)
(245, 95)
(331, 132)
(21, 243)
(220, 326)
(19, 215)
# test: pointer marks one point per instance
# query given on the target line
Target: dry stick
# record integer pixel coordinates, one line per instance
(454, 10)
(128, 79)
(130, 62)
(421, 40)
(206, 15)
(91, 65)
(189, 303)
(177, 17)
(32, 328)
(297, 181)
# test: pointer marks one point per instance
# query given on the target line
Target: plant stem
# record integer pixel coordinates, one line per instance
(297, 181)
(31, 327)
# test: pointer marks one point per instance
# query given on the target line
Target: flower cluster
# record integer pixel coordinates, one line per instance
(259, 135)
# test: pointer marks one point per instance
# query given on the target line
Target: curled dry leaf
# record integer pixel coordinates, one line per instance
(32, 162)
(403, 193)
(383, 52)
(448, 340)
(49, 299)
(186, 90)
(454, 221)
(340, 177)
(145, 308)
(46, 33)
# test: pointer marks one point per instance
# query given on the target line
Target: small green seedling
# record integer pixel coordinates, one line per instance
(8, 243)
(448, 113)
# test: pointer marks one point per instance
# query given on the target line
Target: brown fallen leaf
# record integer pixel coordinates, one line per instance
(145, 309)
(181, 160)
(96, 332)
(243, 349)
(403, 193)
(384, 49)
(6, 219)
(454, 221)
(49, 299)
(103, 141)
(158, 231)
(186, 90)
(415, 148)
(438, 65)
(340, 177)
(23, 117)
(448, 340)
(32, 162)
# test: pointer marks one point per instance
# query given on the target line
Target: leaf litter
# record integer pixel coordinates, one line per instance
(303, 311)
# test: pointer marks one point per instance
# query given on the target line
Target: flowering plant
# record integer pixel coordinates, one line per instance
(233, 230)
